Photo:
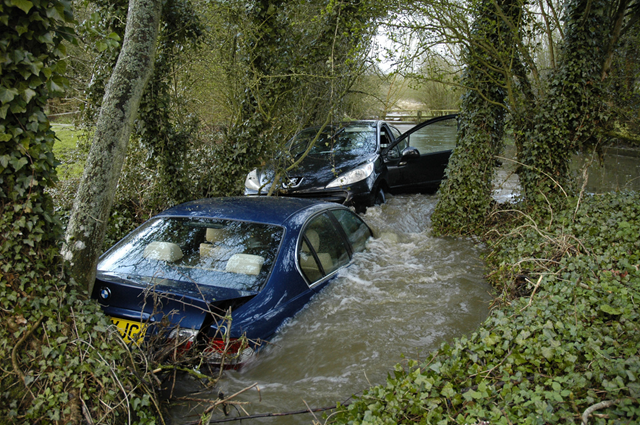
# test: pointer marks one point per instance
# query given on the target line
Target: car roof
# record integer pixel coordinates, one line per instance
(369, 123)
(261, 209)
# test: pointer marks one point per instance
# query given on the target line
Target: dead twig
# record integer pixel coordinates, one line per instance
(597, 406)
(533, 293)
(268, 415)
(227, 399)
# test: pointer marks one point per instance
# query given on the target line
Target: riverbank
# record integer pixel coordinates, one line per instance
(561, 343)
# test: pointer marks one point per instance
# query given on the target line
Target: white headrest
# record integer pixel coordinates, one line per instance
(245, 264)
(214, 235)
(165, 251)
(314, 239)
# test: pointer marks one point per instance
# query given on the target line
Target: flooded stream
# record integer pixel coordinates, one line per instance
(406, 294)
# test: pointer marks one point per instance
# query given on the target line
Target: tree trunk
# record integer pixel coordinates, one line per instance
(92, 206)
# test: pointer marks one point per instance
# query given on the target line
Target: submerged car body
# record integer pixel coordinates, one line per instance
(217, 270)
(356, 163)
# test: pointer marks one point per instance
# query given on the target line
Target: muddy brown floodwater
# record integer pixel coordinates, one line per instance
(405, 295)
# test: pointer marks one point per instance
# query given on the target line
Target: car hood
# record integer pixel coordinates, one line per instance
(186, 304)
(317, 171)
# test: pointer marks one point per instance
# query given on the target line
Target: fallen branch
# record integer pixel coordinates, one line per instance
(268, 415)
(533, 293)
(597, 406)
(219, 402)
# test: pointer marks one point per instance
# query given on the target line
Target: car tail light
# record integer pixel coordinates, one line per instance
(183, 339)
(231, 352)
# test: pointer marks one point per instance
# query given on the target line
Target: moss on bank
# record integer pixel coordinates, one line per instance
(562, 343)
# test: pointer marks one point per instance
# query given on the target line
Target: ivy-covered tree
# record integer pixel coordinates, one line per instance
(466, 194)
(164, 128)
(573, 115)
(58, 363)
(552, 114)
(87, 224)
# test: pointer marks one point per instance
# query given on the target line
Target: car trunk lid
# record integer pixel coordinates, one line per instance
(144, 299)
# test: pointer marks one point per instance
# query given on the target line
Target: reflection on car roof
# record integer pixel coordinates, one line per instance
(263, 209)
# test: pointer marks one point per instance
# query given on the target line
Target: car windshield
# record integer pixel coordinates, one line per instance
(219, 253)
(350, 139)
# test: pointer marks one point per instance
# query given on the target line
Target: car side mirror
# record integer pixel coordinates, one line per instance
(409, 154)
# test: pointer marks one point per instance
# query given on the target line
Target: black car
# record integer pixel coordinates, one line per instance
(356, 163)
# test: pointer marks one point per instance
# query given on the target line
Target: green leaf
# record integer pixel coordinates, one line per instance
(24, 5)
(7, 95)
(28, 95)
(610, 310)
(55, 13)
(18, 163)
(101, 46)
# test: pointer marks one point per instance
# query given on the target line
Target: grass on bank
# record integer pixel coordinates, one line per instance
(67, 151)
(561, 348)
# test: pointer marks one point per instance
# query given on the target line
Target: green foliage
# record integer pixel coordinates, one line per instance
(289, 65)
(58, 361)
(63, 362)
(570, 342)
(573, 115)
(163, 128)
(466, 194)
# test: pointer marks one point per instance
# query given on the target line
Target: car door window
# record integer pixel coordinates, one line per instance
(323, 250)
(436, 135)
(356, 230)
(385, 142)
(385, 138)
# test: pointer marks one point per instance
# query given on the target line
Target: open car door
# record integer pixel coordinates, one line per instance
(416, 161)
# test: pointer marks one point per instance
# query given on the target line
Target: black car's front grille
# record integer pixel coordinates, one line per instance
(336, 196)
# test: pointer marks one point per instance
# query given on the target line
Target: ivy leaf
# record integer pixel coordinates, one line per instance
(55, 87)
(101, 46)
(28, 95)
(24, 5)
(610, 310)
(7, 95)
(548, 352)
(18, 163)
(56, 12)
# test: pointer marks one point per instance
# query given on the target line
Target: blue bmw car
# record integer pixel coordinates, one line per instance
(222, 275)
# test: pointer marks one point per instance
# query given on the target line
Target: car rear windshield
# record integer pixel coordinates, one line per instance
(352, 139)
(220, 253)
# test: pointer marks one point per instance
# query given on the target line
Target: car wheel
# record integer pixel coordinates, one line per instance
(380, 197)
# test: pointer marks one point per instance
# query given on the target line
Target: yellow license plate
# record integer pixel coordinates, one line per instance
(130, 330)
